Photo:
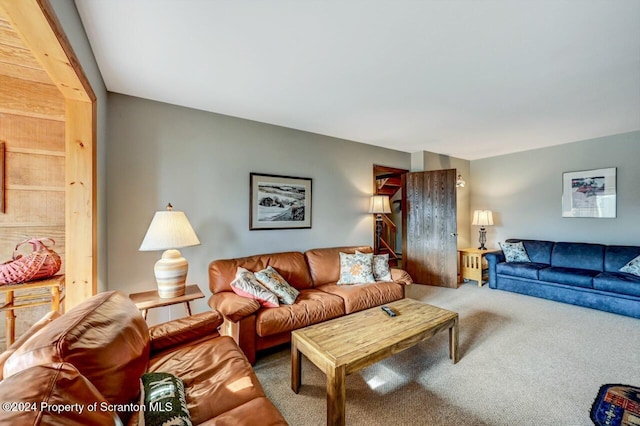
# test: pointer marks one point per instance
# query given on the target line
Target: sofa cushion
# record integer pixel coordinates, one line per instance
(538, 251)
(105, 338)
(356, 268)
(615, 257)
(521, 269)
(311, 307)
(246, 285)
(291, 265)
(365, 296)
(216, 375)
(578, 255)
(40, 324)
(617, 282)
(514, 252)
(569, 276)
(54, 384)
(324, 263)
(633, 267)
(258, 411)
(274, 282)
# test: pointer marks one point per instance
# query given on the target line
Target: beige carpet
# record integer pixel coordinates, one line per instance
(524, 361)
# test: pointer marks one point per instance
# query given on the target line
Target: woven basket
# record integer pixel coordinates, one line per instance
(41, 263)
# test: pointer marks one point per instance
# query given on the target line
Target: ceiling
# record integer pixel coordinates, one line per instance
(466, 78)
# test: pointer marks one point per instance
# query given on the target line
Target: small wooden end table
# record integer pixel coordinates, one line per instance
(473, 265)
(54, 295)
(150, 299)
(350, 343)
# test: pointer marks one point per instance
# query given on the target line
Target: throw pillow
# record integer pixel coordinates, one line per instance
(356, 268)
(381, 271)
(163, 398)
(274, 282)
(245, 284)
(515, 252)
(633, 267)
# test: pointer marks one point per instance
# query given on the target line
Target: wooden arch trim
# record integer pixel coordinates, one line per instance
(38, 26)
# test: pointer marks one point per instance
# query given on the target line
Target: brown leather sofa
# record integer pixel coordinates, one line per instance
(84, 368)
(315, 274)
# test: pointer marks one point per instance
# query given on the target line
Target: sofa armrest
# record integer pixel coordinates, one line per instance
(232, 306)
(183, 330)
(401, 276)
(493, 259)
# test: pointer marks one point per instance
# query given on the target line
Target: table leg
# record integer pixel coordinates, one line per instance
(453, 341)
(296, 367)
(187, 308)
(55, 298)
(336, 396)
(10, 321)
(144, 313)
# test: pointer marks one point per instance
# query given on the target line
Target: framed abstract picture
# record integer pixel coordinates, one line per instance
(589, 193)
(279, 202)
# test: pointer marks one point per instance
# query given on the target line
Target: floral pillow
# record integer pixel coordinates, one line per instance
(273, 281)
(356, 268)
(633, 267)
(381, 271)
(515, 252)
(245, 284)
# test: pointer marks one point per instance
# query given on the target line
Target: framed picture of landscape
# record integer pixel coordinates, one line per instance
(589, 193)
(279, 202)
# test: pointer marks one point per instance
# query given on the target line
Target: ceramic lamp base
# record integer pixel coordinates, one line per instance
(171, 274)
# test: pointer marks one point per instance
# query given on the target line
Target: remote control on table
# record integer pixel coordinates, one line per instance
(388, 311)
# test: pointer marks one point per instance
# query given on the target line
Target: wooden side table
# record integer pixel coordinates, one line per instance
(473, 265)
(150, 299)
(54, 295)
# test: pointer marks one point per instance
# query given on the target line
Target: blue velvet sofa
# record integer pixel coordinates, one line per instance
(578, 273)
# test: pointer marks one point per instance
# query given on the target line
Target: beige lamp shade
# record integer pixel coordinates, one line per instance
(379, 204)
(482, 218)
(170, 230)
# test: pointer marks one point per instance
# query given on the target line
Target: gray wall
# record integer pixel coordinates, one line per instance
(70, 20)
(524, 190)
(200, 162)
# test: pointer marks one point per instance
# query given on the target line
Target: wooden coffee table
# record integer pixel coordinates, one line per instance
(350, 343)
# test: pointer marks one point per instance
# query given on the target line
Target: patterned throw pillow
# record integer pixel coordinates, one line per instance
(515, 252)
(246, 285)
(633, 267)
(356, 268)
(164, 400)
(381, 271)
(274, 282)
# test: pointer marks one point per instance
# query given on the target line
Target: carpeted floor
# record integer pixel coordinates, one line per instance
(524, 361)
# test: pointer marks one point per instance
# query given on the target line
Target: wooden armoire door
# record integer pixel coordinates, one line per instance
(429, 231)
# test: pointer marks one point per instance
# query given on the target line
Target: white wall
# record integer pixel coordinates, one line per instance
(200, 162)
(524, 190)
(70, 20)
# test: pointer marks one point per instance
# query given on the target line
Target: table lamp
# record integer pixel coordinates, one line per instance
(170, 230)
(482, 218)
(379, 205)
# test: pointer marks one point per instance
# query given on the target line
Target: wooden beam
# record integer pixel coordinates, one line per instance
(80, 207)
(41, 31)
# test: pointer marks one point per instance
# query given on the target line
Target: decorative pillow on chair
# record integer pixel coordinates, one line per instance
(164, 400)
(515, 252)
(356, 268)
(633, 267)
(246, 285)
(274, 282)
(381, 271)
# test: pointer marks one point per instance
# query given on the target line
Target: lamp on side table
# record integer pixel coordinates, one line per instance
(170, 230)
